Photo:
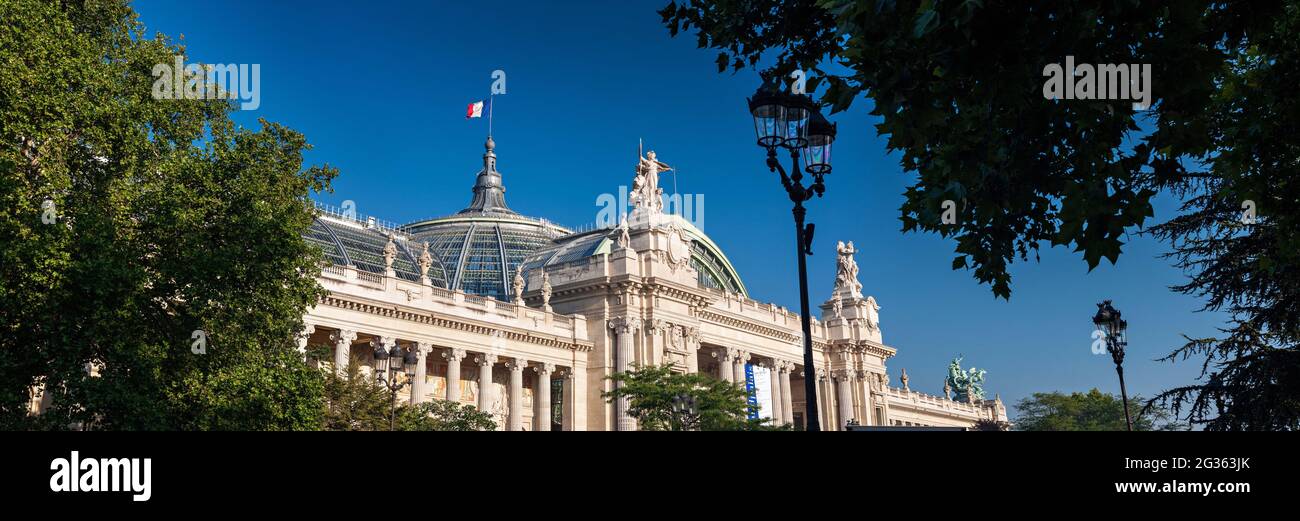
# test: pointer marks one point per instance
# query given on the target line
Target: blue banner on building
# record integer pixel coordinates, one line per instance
(751, 392)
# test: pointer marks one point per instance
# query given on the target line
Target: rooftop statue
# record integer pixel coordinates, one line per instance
(390, 252)
(519, 284)
(546, 291)
(426, 260)
(645, 186)
(968, 385)
(846, 274)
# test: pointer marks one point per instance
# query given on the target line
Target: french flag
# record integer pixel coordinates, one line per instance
(475, 110)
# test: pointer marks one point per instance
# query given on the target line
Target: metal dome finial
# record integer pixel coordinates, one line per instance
(489, 191)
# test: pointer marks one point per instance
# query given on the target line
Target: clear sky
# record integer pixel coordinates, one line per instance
(380, 89)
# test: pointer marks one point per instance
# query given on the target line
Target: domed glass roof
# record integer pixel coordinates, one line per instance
(481, 245)
(348, 242)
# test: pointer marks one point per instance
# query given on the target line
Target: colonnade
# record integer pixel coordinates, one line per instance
(344, 339)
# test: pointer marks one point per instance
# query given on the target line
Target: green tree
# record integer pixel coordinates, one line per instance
(653, 391)
(956, 86)
(1091, 411)
(443, 415)
(168, 230)
(354, 402)
(991, 425)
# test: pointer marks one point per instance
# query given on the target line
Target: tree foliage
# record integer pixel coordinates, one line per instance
(169, 220)
(443, 415)
(957, 88)
(355, 402)
(653, 390)
(1091, 411)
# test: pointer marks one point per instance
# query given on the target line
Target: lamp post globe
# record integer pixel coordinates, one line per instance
(768, 110)
(798, 112)
(817, 153)
(396, 360)
(410, 360)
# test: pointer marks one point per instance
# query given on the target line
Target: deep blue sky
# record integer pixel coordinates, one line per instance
(380, 89)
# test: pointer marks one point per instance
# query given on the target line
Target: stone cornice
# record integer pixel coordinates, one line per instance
(453, 323)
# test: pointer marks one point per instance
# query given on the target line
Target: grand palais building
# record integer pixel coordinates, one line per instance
(526, 319)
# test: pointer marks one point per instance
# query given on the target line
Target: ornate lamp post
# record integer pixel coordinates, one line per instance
(685, 410)
(1114, 329)
(793, 122)
(388, 364)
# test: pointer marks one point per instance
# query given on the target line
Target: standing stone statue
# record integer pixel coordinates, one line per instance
(390, 252)
(426, 260)
(546, 291)
(519, 284)
(645, 186)
(846, 272)
(624, 239)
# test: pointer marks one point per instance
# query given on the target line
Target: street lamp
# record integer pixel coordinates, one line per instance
(388, 364)
(1114, 329)
(685, 411)
(793, 122)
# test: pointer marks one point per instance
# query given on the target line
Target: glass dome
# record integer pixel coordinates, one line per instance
(480, 246)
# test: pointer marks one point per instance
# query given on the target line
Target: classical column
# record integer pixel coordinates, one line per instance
(422, 350)
(845, 396)
(453, 357)
(485, 362)
(342, 339)
(623, 328)
(865, 386)
(302, 337)
(725, 367)
(542, 418)
(516, 419)
(778, 402)
(782, 372)
(738, 367)
(692, 339)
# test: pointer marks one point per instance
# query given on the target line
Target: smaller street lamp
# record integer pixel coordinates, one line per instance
(388, 364)
(1115, 330)
(685, 411)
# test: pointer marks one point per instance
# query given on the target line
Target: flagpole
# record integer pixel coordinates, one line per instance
(490, 104)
